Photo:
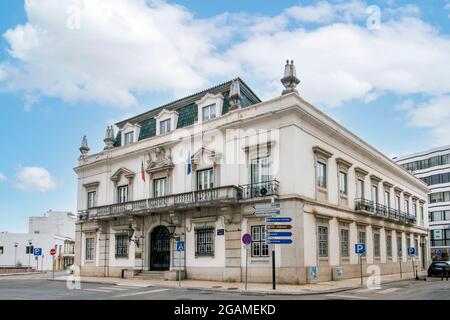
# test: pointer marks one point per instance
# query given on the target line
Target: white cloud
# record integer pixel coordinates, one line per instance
(124, 48)
(34, 179)
(433, 115)
(2, 177)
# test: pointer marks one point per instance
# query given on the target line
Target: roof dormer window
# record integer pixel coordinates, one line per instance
(209, 112)
(129, 138)
(164, 126)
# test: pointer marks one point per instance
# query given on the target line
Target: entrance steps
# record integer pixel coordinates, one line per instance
(151, 275)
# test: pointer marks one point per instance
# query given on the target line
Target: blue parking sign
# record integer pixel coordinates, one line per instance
(37, 252)
(180, 245)
(360, 248)
(411, 251)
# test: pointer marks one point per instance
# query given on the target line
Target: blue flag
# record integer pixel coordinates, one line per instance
(189, 164)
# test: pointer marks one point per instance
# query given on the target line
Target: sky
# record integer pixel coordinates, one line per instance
(69, 68)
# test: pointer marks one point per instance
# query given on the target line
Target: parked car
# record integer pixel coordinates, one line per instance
(438, 268)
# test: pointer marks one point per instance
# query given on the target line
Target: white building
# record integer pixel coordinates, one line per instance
(433, 167)
(198, 165)
(54, 230)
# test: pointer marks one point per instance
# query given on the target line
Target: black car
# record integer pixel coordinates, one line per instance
(438, 268)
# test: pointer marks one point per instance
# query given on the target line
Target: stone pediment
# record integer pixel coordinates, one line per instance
(211, 155)
(160, 159)
(123, 171)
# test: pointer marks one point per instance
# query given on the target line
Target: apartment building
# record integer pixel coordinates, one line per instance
(193, 170)
(433, 167)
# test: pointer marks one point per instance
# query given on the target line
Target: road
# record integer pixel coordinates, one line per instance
(39, 287)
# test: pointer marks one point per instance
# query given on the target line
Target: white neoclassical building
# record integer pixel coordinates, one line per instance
(193, 169)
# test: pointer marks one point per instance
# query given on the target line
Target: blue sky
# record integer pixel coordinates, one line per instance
(71, 67)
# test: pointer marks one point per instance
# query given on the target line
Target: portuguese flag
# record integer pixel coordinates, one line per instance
(142, 171)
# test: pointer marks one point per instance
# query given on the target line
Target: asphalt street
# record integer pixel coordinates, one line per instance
(41, 287)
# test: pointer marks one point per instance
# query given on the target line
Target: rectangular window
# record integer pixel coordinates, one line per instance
(2, 250)
(376, 244)
(259, 246)
(205, 179)
(122, 246)
(407, 206)
(374, 194)
(164, 126)
(414, 210)
(89, 249)
(204, 245)
(323, 241)
(91, 199)
(159, 187)
(129, 138)
(362, 239)
(389, 245)
(344, 243)
(321, 175)
(342, 182)
(397, 203)
(421, 214)
(408, 241)
(387, 199)
(122, 194)
(359, 189)
(399, 246)
(260, 170)
(209, 112)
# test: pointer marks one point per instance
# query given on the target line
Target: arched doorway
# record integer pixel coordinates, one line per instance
(160, 249)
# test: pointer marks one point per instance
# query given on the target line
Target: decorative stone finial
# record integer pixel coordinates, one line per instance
(235, 95)
(84, 149)
(290, 80)
(109, 138)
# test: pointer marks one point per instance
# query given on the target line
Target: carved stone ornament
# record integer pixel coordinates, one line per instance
(160, 159)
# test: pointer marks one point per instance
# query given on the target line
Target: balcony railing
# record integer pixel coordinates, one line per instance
(364, 205)
(260, 189)
(201, 198)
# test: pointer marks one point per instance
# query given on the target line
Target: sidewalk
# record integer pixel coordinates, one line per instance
(261, 288)
(20, 274)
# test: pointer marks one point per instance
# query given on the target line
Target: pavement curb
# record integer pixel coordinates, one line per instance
(20, 274)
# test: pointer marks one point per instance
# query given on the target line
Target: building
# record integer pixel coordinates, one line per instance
(53, 230)
(193, 169)
(433, 167)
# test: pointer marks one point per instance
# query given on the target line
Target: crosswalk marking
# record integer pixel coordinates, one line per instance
(343, 296)
(140, 293)
(390, 290)
(98, 290)
(115, 288)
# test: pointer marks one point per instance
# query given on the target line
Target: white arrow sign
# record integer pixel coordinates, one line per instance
(266, 206)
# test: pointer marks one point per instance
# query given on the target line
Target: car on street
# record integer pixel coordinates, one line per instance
(437, 268)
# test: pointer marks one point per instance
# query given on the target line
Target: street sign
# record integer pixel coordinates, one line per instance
(360, 248)
(411, 251)
(279, 241)
(438, 253)
(278, 227)
(180, 245)
(267, 213)
(37, 252)
(267, 206)
(246, 239)
(279, 234)
(275, 220)
(52, 252)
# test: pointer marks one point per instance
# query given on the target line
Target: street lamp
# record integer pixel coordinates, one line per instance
(15, 253)
(171, 227)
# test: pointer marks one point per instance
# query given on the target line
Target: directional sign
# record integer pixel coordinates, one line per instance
(246, 239)
(266, 206)
(278, 227)
(279, 241)
(52, 252)
(438, 253)
(279, 234)
(260, 213)
(38, 252)
(275, 220)
(360, 248)
(411, 251)
(180, 245)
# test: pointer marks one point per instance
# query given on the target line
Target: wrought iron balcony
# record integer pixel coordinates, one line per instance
(367, 206)
(260, 189)
(202, 198)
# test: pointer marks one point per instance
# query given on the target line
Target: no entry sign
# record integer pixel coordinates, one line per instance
(52, 252)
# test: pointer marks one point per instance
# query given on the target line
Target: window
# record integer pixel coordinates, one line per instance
(91, 199)
(389, 245)
(122, 194)
(159, 187)
(408, 241)
(205, 179)
(321, 175)
(342, 182)
(360, 189)
(129, 138)
(407, 206)
(421, 213)
(89, 249)
(259, 246)
(439, 197)
(397, 202)
(399, 246)
(362, 239)
(414, 210)
(209, 112)
(164, 126)
(387, 199)
(2, 250)
(260, 170)
(122, 246)
(374, 194)
(344, 243)
(204, 242)
(376, 244)
(323, 241)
